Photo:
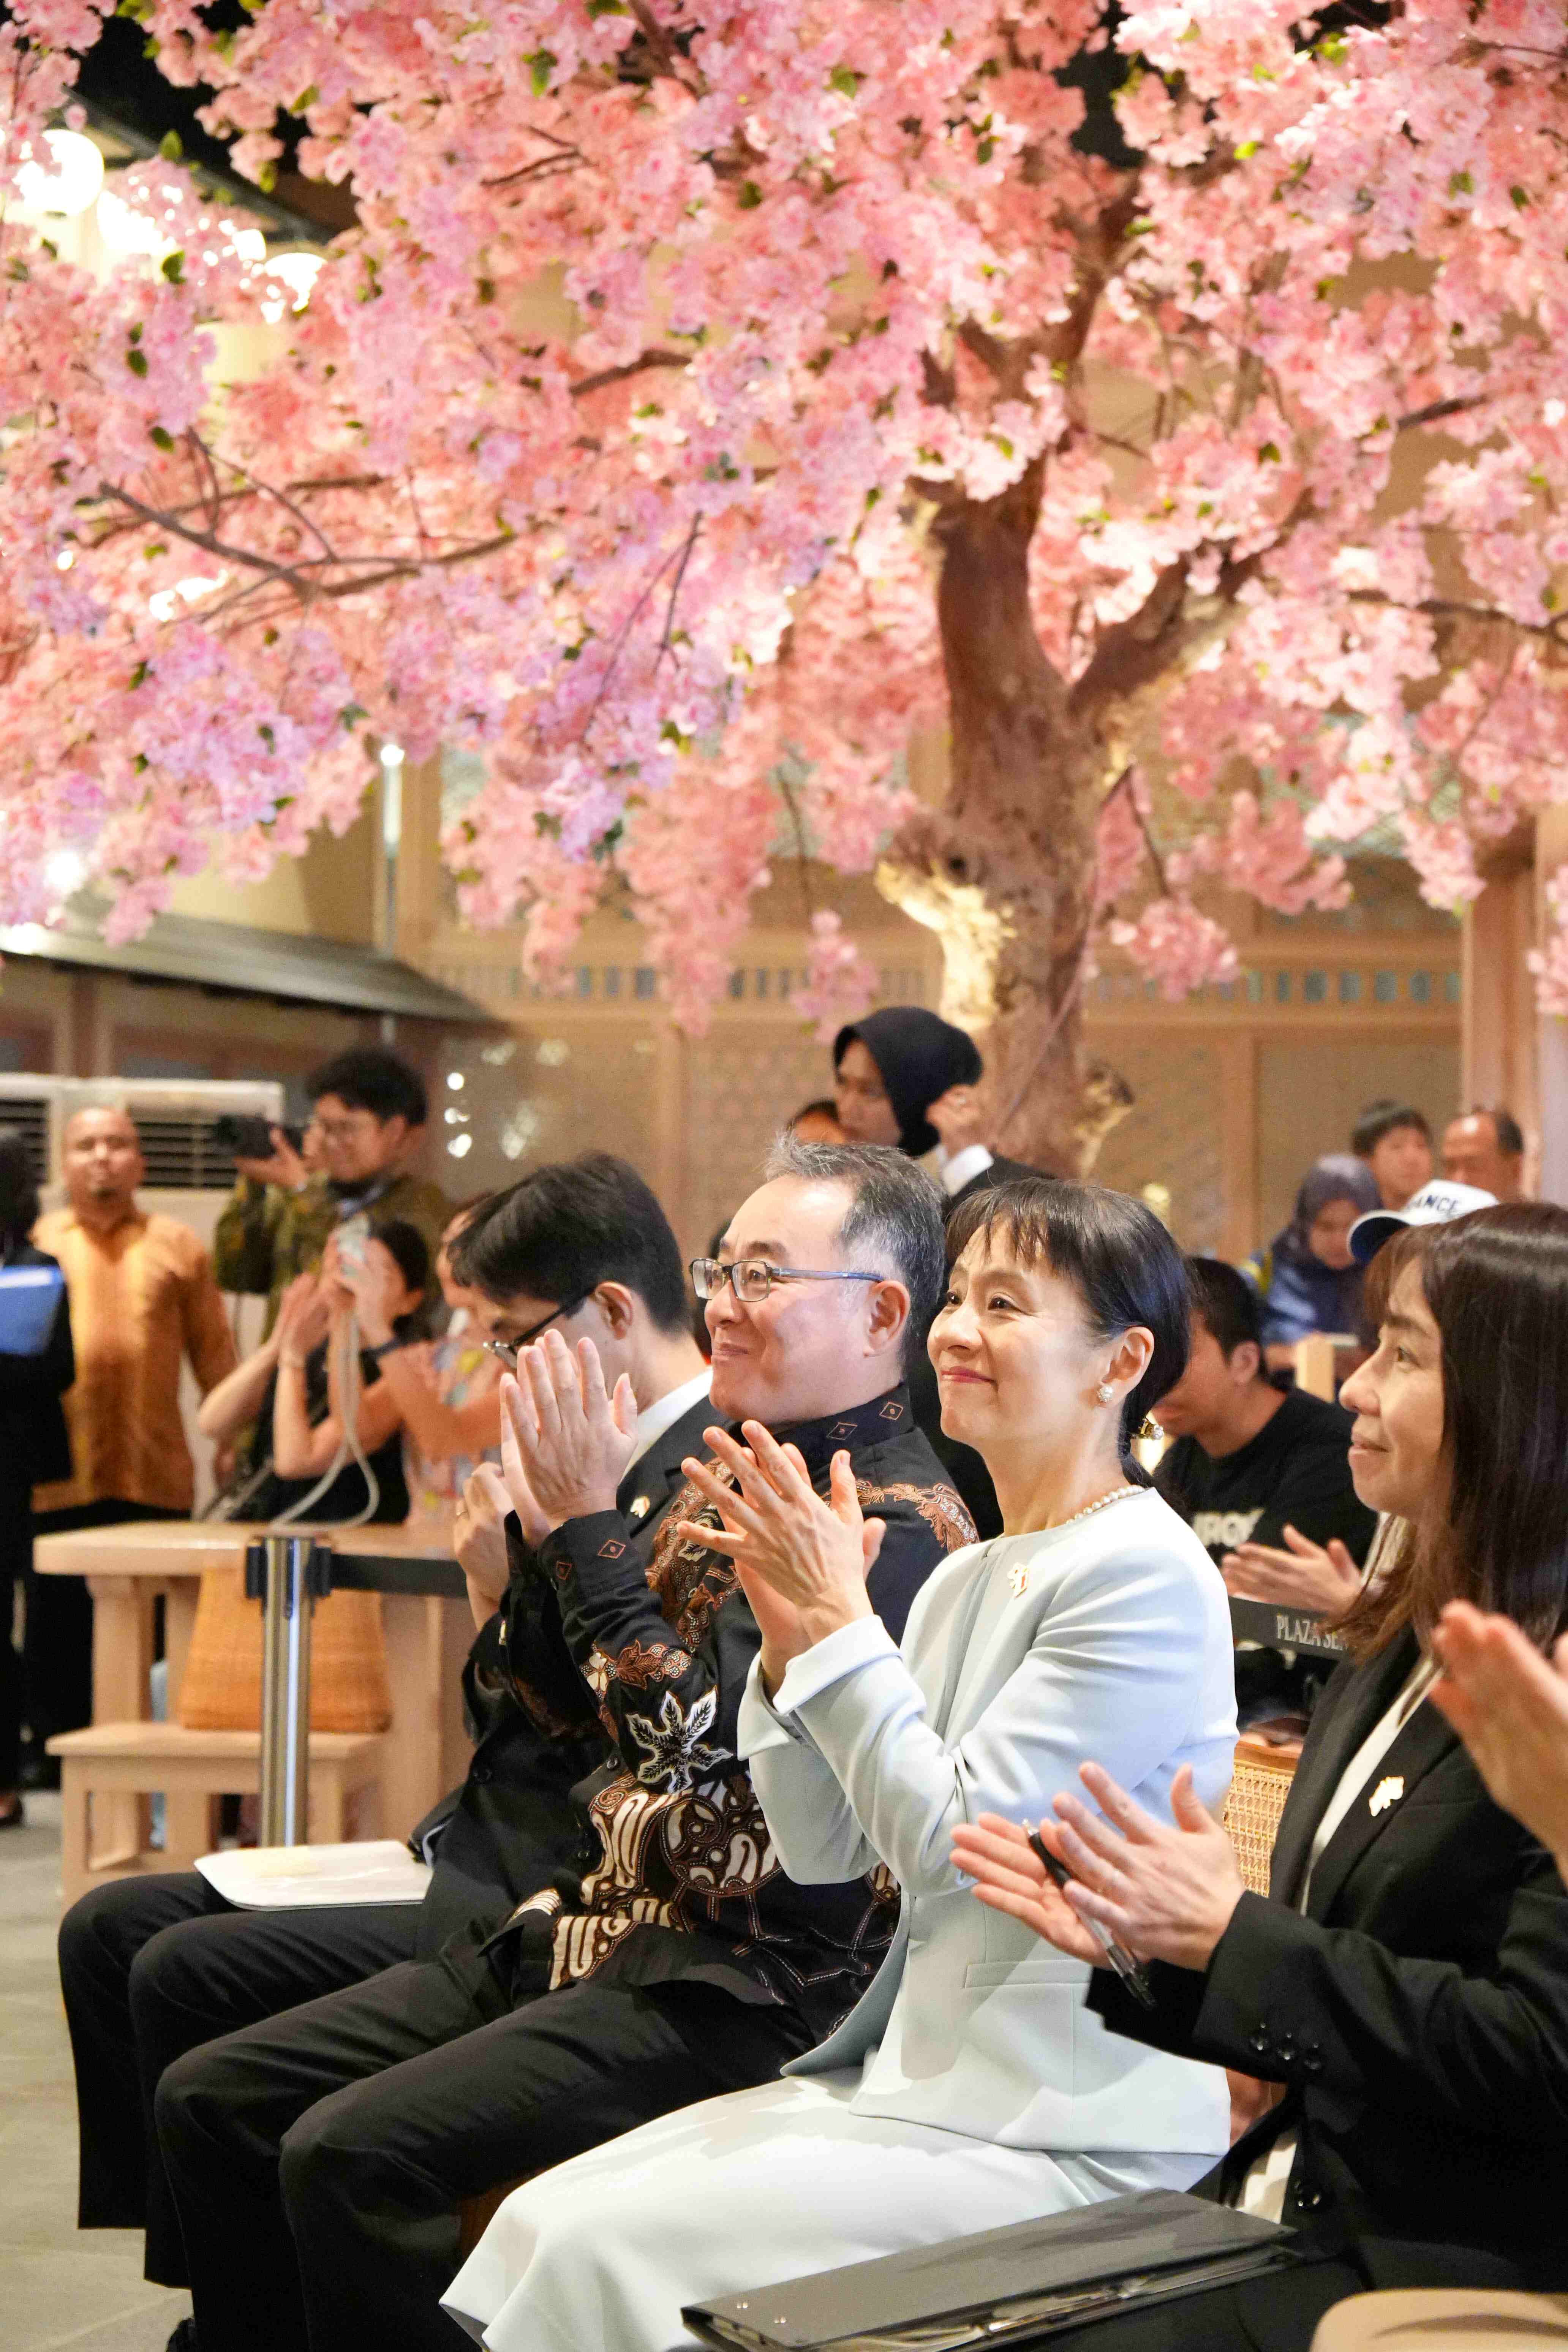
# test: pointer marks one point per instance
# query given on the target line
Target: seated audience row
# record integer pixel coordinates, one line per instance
(752, 1704)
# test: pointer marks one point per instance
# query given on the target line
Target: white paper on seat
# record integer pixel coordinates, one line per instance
(310, 1877)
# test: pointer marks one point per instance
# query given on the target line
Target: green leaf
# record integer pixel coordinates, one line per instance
(268, 737)
(139, 675)
(1460, 183)
(172, 268)
(1520, 197)
(351, 714)
(269, 637)
(1269, 453)
(169, 147)
(606, 8)
(306, 98)
(17, 270)
(136, 360)
(845, 80)
(1248, 147)
(749, 196)
(160, 436)
(486, 290)
(266, 178)
(541, 65)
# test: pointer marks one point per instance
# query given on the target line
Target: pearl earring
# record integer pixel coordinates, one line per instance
(1105, 1393)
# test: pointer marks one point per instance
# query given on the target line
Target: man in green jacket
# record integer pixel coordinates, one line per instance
(369, 1111)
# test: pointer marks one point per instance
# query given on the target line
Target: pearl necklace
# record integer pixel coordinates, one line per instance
(1018, 1577)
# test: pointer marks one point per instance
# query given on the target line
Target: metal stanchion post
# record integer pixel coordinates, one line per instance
(288, 1573)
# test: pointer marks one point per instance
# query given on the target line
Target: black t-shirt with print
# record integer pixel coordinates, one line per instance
(1293, 1473)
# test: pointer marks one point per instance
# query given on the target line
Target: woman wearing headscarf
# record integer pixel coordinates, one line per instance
(1308, 1278)
(903, 1075)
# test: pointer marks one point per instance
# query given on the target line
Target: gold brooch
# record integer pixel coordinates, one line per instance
(638, 1507)
(1387, 1792)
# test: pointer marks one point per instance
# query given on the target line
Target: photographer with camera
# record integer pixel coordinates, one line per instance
(368, 1113)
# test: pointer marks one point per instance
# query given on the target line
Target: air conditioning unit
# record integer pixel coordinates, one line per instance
(187, 1176)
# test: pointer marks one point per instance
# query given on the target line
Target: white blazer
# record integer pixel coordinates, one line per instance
(1107, 1640)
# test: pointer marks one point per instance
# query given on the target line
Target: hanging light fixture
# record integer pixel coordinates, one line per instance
(66, 178)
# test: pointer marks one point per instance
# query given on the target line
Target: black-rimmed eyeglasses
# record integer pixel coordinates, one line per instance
(508, 1350)
(752, 1278)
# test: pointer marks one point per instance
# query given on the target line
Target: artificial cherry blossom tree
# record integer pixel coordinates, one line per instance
(714, 392)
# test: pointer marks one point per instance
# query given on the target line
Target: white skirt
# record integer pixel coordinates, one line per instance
(599, 2255)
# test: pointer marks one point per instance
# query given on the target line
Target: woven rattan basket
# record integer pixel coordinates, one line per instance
(222, 1686)
(1259, 1786)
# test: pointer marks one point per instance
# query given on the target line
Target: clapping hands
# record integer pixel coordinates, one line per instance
(566, 1442)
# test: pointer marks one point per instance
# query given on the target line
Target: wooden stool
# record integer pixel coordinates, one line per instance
(191, 1767)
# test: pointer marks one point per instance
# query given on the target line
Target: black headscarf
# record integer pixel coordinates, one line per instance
(917, 1057)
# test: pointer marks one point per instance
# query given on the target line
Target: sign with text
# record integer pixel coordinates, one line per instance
(1282, 1629)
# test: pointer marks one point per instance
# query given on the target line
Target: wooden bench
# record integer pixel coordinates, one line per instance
(192, 1768)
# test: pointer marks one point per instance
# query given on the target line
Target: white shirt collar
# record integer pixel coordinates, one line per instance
(666, 1410)
(964, 1167)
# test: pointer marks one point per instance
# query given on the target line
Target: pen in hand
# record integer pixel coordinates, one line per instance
(1132, 1973)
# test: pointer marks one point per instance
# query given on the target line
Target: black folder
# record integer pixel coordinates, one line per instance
(1009, 2287)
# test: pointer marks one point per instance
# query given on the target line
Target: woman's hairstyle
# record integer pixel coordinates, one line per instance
(18, 1189)
(408, 1249)
(1117, 1255)
(1496, 1284)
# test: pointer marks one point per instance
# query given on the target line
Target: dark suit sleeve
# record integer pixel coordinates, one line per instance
(1295, 2001)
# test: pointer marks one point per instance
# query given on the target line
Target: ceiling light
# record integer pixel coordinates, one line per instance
(65, 180)
(65, 871)
(460, 1146)
(392, 755)
(296, 272)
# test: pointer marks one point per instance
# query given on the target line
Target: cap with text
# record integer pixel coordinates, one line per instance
(1437, 1204)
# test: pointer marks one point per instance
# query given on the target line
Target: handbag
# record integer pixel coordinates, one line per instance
(1007, 2287)
(28, 1297)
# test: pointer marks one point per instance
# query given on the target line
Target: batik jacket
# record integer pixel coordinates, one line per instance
(683, 1880)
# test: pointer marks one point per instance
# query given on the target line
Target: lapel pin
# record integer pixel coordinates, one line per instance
(1019, 1580)
(1387, 1792)
(638, 1507)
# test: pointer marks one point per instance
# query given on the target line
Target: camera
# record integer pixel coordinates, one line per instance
(250, 1138)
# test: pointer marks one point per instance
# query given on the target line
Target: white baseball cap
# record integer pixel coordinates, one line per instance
(1437, 1204)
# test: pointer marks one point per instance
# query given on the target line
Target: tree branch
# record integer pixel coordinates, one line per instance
(648, 358)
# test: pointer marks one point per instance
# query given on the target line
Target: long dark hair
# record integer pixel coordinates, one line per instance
(18, 1190)
(1117, 1255)
(1496, 1284)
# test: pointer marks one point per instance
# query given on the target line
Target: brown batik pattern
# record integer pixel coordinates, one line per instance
(942, 1508)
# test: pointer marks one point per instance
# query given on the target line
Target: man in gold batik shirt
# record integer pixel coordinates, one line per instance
(142, 1299)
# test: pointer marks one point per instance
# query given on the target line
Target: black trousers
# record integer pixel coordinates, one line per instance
(318, 2161)
(151, 1967)
(56, 1643)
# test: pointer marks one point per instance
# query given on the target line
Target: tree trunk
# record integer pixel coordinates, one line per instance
(1005, 873)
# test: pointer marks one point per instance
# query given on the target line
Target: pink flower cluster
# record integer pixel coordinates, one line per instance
(622, 439)
(839, 981)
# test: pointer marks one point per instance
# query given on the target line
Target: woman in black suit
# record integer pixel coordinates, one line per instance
(1405, 1985)
(34, 1445)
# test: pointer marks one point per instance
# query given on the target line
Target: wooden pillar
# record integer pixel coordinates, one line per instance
(1497, 1036)
(1239, 1236)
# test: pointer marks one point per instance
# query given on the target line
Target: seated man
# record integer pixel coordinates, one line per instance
(153, 1967)
(317, 2158)
(1253, 1466)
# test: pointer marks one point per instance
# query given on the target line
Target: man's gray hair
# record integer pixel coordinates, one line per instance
(893, 1224)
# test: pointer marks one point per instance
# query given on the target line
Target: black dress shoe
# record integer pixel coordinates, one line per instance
(184, 2338)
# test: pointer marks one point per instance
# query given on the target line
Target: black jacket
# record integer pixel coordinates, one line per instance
(1418, 2013)
(683, 1882)
(513, 1824)
(35, 1448)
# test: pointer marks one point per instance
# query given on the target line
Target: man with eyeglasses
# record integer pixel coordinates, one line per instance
(317, 2159)
(368, 1112)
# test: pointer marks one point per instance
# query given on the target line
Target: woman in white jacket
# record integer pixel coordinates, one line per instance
(971, 2086)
